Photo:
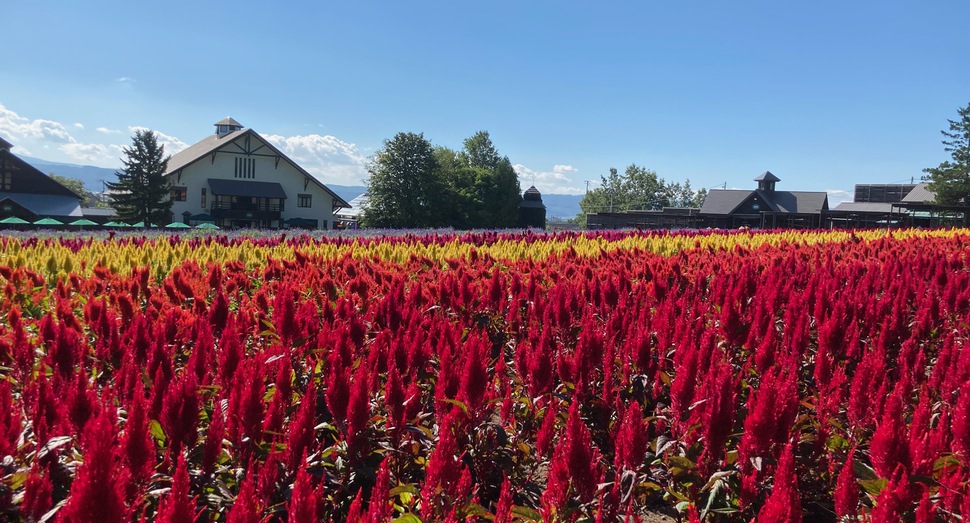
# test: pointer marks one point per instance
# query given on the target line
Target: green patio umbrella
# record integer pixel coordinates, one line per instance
(13, 220)
(177, 225)
(113, 224)
(207, 225)
(48, 221)
(139, 224)
(82, 221)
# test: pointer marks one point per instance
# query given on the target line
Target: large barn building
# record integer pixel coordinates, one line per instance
(236, 178)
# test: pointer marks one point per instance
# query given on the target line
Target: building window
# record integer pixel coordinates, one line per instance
(304, 200)
(203, 197)
(245, 168)
(6, 181)
(179, 194)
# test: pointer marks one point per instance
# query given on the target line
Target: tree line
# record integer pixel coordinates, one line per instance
(413, 184)
(638, 188)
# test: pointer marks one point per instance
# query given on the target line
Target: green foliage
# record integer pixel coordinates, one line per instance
(404, 187)
(638, 188)
(469, 189)
(951, 179)
(142, 192)
(77, 187)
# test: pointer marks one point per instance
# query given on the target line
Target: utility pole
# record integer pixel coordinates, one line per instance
(587, 186)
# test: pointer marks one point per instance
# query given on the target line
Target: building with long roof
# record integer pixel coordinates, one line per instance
(764, 206)
(236, 178)
(29, 194)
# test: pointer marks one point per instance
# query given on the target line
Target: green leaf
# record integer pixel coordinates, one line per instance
(526, 513)
(407, 518)
(681, 462)
(873, 486)
(457, 403)
(155, 429)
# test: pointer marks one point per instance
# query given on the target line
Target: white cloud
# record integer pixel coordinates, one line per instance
(18, 128)
(79, 125)
(102, 155)
(555, 181)
(105, 130)
(328, 158)
(126, 80)
(172, 144)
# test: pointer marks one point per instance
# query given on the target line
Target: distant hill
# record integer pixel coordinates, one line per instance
(557, 205)
(91, 176)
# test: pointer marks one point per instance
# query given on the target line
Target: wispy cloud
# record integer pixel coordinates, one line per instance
(125, 80)
(329, 158)
(105, 130)
(554, 181)
(79, 125)
(172, 144)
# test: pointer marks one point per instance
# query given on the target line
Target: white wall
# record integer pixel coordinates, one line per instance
(194, 178)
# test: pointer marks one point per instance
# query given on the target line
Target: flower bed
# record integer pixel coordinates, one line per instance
(445, 377)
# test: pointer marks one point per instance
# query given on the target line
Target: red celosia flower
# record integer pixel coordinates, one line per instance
(503, 509)
(180, 412)
(380, 507)
(444, 467)
(300, 434)
(895, 500)
(574, 464)
(890, 445)
(474, 377)
(547, 431)
(303, 501)
(960, 422)
(213, 438)
(630, 442)
(847, 489)
(245, 509)
(38, 492)
(358, 411)
(139, 448)
(10, 420)
(178, 507)
(97, 493)
(784, 504)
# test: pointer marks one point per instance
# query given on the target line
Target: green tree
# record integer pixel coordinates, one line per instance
(77, 187)
(404, 185)
(951, 179)
(638, 188)
(141, 193)
(483, 186)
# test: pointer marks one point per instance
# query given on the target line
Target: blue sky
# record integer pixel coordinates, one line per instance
(824, 94)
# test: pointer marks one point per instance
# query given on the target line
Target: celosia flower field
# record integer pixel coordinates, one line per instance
(729, 377)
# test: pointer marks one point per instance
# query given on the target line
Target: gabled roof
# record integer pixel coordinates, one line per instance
(228, 121)
(724, 201)
(4, 144)
(798, 202)
(45, 204)
(213, 143)
(767, 177)
(920, 194)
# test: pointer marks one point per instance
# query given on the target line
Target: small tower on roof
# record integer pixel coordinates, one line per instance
(532, 212)
(766, 182)
(227, 126)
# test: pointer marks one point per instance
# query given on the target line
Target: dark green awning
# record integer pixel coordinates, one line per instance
(224, 187)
